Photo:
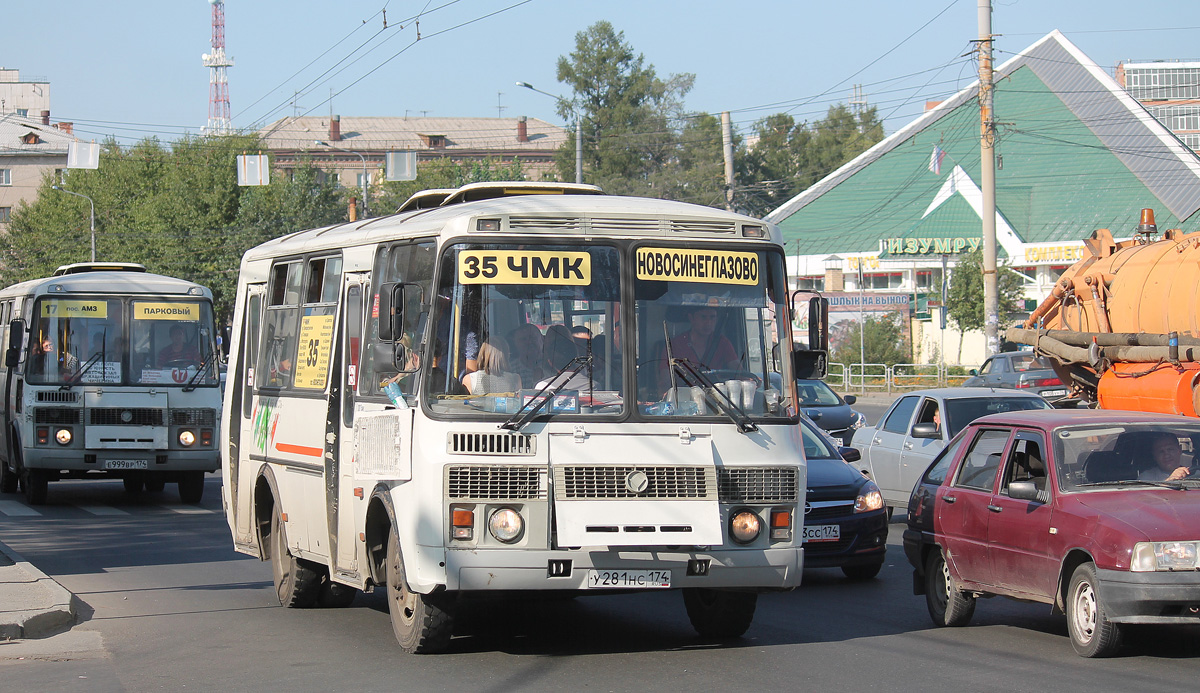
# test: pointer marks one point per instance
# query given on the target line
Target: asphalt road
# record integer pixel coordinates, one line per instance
(170, 606)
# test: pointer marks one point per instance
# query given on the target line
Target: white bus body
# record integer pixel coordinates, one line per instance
(355, 454)
(110, 371)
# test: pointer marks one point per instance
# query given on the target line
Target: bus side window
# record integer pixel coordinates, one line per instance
(250, 351)
(410, 262)
(353, 347)
(276, 356)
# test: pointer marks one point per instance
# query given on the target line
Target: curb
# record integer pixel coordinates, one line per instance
(50, 616)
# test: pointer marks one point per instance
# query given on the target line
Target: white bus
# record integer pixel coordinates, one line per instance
(521, 388)
(110, 371)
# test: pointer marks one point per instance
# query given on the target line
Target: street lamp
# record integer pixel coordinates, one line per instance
(92, 214)
(323, 143)
(578, 128)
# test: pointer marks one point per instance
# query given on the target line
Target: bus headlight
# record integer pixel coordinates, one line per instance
(63, 436)
(187, 439)
(506, 525)
(744, 527)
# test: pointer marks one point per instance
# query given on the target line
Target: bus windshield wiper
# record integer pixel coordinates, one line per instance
(691, 376)
(204, 366)
(538, 401)
(77, 376)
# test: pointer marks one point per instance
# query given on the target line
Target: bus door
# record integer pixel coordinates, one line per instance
(342, 523)
(241, 440)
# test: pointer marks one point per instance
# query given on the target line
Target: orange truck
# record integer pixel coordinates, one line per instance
(1121, 327)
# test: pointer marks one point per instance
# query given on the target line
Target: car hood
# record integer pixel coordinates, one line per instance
(827, 473)
(1161, 514)
(831, 417)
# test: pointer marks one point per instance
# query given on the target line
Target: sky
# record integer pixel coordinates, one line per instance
(132, 68)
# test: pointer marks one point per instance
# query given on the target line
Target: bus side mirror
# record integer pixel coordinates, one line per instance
(810, 364)
(16, 337)
(391, 311)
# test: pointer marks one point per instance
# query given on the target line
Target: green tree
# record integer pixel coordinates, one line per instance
(964, 301)
(883, 342)
(631, 118)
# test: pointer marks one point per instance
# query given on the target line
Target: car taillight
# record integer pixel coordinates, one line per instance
(1046, 382)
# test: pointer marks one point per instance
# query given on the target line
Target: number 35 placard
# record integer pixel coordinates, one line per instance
(312, 356)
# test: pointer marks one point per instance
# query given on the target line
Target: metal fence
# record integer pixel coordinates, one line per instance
(879, 377)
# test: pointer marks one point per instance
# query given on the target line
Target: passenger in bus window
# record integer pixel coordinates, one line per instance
(560, 348)
(526, 359)
(702, 344)
(179, 352)
(493, 374)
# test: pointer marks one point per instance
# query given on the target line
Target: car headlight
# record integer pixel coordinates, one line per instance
(63, 436)
(187, 439)
(858, 420)
(744, 527)
(506, 525)
(869, 498)
(1149, 556)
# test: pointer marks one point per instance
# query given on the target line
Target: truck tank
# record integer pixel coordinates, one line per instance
(1122, 326)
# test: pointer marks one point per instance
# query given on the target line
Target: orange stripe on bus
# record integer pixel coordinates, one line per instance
(299, 449)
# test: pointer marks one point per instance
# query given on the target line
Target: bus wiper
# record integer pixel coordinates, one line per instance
(728, 407)
(205, 365)
(538, 401)
(77, 376)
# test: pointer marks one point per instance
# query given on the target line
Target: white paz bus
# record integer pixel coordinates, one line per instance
(525, 388)
(110, 371)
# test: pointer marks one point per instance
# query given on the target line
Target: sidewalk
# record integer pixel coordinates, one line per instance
(32, 605)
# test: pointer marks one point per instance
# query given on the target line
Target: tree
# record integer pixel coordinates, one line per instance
(630, 117)
(964, 302)
(883, 342)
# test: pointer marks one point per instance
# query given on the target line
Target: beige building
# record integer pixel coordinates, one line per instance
(530, 140)
(29, 149)
(26, 98)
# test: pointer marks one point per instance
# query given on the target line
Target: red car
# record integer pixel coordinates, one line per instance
(1096, 513)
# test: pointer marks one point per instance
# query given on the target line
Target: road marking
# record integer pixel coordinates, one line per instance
(188, 511)
(17, 509)
(102, 510)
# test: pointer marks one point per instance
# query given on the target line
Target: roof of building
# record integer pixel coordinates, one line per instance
(15, 138)
(411, 134)
(1075, 153)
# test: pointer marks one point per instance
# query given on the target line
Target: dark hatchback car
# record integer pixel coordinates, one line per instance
(829, 410)
(845, 524)
(1019, 370)
(1090, 512)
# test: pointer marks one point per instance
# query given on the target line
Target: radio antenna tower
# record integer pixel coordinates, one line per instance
(219, 120)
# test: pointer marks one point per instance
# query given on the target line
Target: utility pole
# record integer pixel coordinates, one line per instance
(727, 149)
(987, 180)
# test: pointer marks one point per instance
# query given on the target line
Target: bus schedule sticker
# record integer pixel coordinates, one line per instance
(74, 309)
(524, 267)
(186, 312)
(312, 359)
(703, 266)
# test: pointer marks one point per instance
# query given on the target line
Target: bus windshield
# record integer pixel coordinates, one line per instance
(510, 320)
(114, 341)
(719, 316)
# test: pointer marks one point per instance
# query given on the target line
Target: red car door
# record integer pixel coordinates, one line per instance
(1019, 536)
(961, 517)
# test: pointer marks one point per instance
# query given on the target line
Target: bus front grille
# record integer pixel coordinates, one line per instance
(69, 397)
(634, 482)
(759, 484)
(121, 416)
(57, 415)
(495, 482)
(490, 444)
(193, 417)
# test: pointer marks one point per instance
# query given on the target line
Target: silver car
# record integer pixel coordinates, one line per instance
(1020, 370)
(898, 449)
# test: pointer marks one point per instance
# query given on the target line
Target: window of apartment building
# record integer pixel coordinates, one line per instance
(5, 176)
(358, 179)
(1162, 84)
(810, 283)
(23, 112)
(929, 280)
(5, 215)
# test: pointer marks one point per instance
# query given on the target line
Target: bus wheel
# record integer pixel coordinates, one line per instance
(191, 487)
(36, 483)
(8, 480)
(155, 485)
(335, 595)
(719, 614)
(297, 582)
(420, 622)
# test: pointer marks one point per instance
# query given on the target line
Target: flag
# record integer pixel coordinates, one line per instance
(935, 160)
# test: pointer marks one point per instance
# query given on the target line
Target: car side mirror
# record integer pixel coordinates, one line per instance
(1022, 490)
(973, 372)
(850, 454)
(926, 430)
(850, 399)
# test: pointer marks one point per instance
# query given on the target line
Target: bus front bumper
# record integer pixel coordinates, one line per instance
(515, 569)
(118, 461)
